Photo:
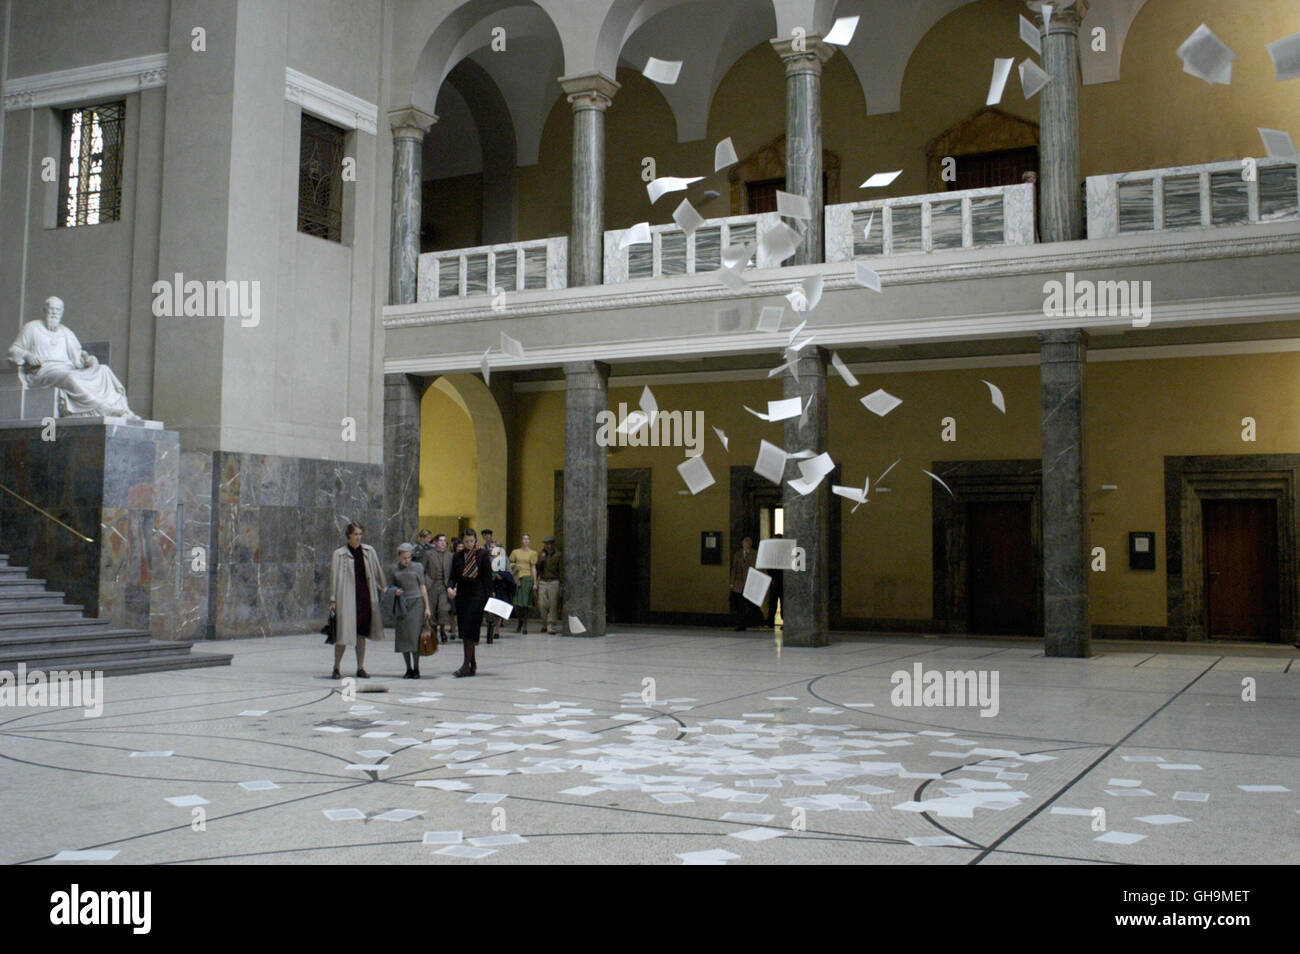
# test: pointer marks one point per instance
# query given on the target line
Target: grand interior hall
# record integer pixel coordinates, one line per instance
(771, 431)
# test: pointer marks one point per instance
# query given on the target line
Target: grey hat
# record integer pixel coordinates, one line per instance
(548, 540)
(405, 548)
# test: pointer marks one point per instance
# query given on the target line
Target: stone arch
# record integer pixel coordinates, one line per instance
(491, 446)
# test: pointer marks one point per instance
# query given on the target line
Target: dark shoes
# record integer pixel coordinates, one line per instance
(362, 674)
(463, 671)
(335, 675)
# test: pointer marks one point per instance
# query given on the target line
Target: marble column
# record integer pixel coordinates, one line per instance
(402, 394)
(590, 94)
(1060, 176)
(586, 393)
(803, 135)
(1066, 627)
(806, 597)
(409, 126)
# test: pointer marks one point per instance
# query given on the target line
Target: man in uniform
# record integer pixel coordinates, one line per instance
(550, 569)
(437, 567)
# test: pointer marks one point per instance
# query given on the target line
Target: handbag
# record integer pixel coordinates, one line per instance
(328, 629)
(428, 641)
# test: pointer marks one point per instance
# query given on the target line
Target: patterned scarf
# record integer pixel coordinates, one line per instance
(470, 572)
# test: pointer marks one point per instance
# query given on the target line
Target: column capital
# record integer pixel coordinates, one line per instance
(1067, 13)
(589, 90)
(410, 122)
(809, 58)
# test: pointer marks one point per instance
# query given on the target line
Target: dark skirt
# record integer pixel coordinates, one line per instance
(363, 611)
(469, 617)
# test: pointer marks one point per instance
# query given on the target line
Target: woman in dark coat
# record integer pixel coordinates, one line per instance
(471, 585)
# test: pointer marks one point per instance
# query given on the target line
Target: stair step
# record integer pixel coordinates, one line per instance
(34, 614)
(41, 639)
(20, 587)
(81, 624)
(41, 600)
(89, 657)
(130, 667)
(11, 571)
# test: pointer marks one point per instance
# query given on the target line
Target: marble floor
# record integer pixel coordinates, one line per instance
(748, 753)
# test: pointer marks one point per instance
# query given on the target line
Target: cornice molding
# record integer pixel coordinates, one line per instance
(85, 84)
(330, 103)
(1205, 245)
(880, 333)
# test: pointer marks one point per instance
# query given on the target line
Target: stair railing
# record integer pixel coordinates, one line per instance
(46, 514)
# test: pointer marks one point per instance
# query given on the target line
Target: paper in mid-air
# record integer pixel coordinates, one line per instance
(1029, 33)
(1032, 78)
(696, 474)
(1278, 143)
(776, 554)
(777, 244)
(880, 402)
(662, 71)
(575, 626)
(771, 462)
(756, 584)
(687, 219)
(638, 234)
(1207, 57)
(866, 276)
(813, 472)
(648, 404)
(995, 393)
(842, 370)
(724, 154)
(1001, 70)
(881, 179)
(511, 346)
(485, 368)
(657, 188)
(769, 319)
(1286, 57)
(722, 436)
(841, 34)
(792, 206)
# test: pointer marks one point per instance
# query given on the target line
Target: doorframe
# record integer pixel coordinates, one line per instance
(979, 481)
(744, 520)
(1191, 480)
(638, 480)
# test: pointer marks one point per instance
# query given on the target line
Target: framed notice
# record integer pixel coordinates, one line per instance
(711, 547)
(1141, 550)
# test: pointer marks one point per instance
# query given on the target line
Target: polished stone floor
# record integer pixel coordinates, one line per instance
(748, 753)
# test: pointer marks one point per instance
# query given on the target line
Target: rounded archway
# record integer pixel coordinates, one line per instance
(462, 456)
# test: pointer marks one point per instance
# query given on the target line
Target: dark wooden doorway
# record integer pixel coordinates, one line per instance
(1000, 567)
(621, 556)
(983, 170)
(1241, 569)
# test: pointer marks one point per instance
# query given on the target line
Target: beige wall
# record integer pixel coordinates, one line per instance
(1137, 413)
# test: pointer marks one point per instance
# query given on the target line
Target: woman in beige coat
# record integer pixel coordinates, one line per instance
(356, 581)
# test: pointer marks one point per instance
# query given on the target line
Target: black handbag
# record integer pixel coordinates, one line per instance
(328, 628)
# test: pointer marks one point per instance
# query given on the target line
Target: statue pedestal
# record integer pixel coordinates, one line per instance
(113, 482)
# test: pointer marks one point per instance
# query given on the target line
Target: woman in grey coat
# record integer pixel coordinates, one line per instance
(408, 577)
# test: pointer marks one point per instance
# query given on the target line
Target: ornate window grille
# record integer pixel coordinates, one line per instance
(92, 164)
(320, 179)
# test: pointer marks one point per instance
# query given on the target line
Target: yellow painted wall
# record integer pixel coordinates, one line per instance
(1154, 116)
(1137, 413)
(448, 462)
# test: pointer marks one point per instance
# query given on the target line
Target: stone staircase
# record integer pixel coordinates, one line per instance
(39, 629)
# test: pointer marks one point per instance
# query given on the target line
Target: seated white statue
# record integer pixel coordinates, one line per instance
(51, 357)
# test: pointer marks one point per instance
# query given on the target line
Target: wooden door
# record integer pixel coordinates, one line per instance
(1000, 595)
(1241, 573)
